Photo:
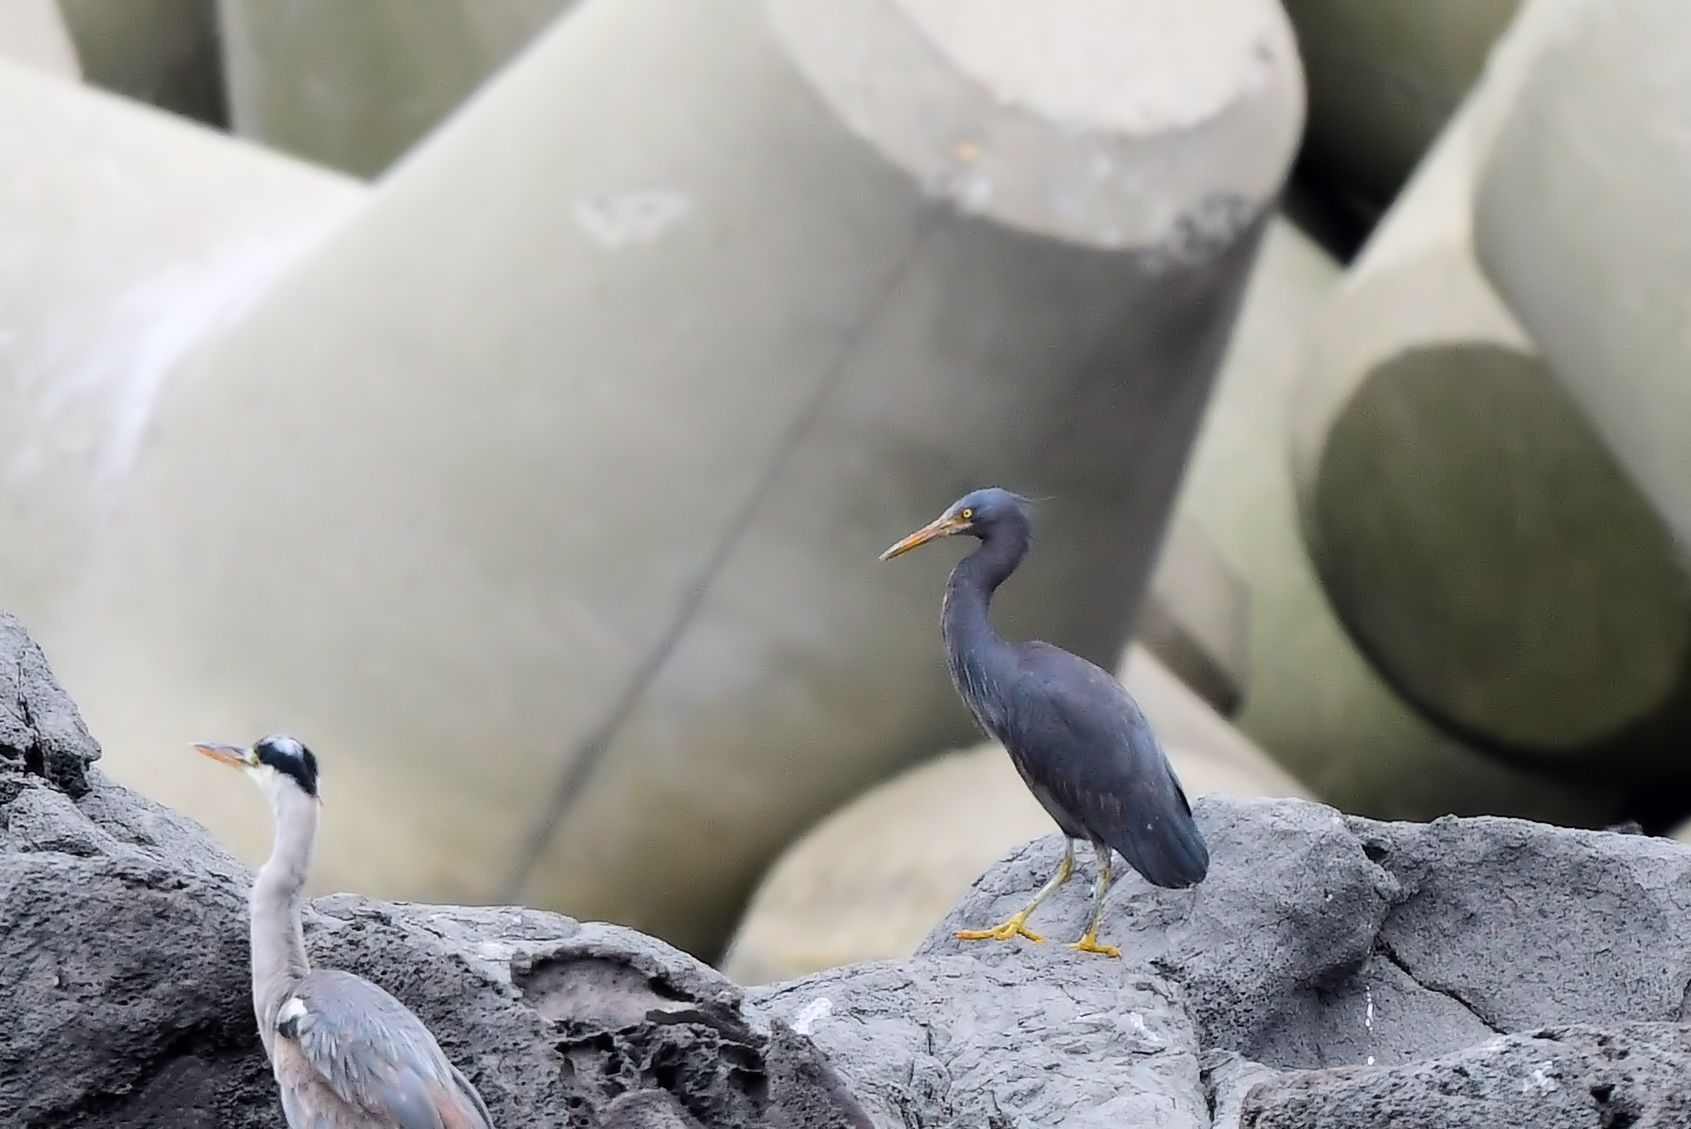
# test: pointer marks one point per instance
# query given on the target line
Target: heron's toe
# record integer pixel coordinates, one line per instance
(1091, 944)
(1005, 931)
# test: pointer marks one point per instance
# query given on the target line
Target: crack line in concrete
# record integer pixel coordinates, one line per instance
(590, 750)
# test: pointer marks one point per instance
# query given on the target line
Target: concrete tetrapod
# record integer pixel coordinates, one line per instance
(161, 52)
(131, 234)
(564, 466)
(32, 34)
(1311, 699)
(1385, 76)
(1196, 616)
(1471, 530)
(1581, 226)
(355, 85)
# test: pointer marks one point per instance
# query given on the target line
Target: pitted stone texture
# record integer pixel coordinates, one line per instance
(1319, 940)
(1358, 949)
(1637, 1076)
(1046, 1041)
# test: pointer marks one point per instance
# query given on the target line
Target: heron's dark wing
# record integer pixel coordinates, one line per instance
(1086, 742)
(372, 1054)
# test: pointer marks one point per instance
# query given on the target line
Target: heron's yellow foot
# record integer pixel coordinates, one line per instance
(1005, 931)
(1090, 944)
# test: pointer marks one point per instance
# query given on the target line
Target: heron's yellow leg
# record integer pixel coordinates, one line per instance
(1089, 942)
(1016, 925)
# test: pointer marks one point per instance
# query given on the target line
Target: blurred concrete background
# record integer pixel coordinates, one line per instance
(510, 397)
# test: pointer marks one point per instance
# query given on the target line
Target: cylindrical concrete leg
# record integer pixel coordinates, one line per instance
(33, 35)
(1311, 699)
(1581, 224)
(577, 446)
(1196, 616)
(1471, 530)
(355, 85)
(106, 289)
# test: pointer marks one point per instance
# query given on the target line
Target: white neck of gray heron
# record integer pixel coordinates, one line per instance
(278, 895)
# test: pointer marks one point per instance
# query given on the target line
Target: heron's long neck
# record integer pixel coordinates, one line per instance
(278, 894)
(980, 660)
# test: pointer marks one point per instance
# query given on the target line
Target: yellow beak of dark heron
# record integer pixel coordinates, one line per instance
(940, 527)
(235, 756)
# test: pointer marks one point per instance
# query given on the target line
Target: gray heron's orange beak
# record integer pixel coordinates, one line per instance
(235, 756)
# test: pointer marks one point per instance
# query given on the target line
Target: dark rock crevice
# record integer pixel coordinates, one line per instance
(1384, 949)
(40, 728)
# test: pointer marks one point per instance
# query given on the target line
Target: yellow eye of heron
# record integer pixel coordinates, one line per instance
(966, 514)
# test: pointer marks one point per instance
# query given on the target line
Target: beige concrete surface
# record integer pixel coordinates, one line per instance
(354, 85)
(568, 405)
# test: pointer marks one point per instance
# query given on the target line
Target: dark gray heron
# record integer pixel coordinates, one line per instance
(1079, 741)
(345, 1053)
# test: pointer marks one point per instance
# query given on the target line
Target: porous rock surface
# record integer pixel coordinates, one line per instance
(1047, 1040)
(1330, 973)
(1341, 972)
(1634, 1076)
(123, 965)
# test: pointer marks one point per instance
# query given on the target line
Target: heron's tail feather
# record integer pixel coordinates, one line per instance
(1177, 858)
(1170, 852)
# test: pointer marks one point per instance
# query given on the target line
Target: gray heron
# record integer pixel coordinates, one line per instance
(346, 1054)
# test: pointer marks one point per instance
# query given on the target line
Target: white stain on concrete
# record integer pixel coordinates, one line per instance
(632, 217)
(111, 363)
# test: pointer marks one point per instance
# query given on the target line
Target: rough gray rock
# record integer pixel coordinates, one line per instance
(40, 728)
(1044, 1041)
(1228, 1079)
(1331, 973)
(1325, 941)
(1276, 950)
(123, 964)
(1637, 1076)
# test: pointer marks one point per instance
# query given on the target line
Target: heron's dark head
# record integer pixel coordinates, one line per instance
(272, 763)
(978, 513)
